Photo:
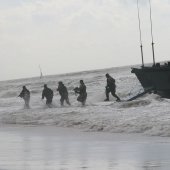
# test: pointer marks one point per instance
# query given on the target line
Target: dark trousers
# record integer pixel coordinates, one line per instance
(49, 101)
(64, 98)
(82, 98)
(113, 92)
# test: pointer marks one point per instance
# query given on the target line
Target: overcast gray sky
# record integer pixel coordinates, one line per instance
(73, 35)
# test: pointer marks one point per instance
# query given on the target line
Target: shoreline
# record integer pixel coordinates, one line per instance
(47, 128)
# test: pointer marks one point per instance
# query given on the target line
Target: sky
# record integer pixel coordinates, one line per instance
(64, 36)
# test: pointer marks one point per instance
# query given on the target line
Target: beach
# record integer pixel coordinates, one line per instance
(53, 148)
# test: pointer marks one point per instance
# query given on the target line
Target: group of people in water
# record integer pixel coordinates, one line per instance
(62, 89)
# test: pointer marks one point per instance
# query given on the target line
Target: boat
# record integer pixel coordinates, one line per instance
(154, 78)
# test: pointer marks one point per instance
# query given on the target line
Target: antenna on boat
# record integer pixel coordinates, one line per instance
(41, 74)
(140, 32)
(153, 52)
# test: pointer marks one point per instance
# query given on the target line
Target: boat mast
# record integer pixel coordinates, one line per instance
(41, 74)
(153, 52)
(140, 32)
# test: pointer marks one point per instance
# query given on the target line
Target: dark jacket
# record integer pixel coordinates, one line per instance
(82, 89)
(62, 90)
(48, 93)
(111, 83)
(24, 92)
(82, 93)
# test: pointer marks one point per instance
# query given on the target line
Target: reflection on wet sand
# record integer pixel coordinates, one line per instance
(52, 148)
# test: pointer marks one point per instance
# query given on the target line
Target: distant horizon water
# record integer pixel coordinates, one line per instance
(70, 73)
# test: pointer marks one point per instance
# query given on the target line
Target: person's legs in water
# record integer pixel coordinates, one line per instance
(107, 91)
(114, 94)
(81, 99)
(49, 102)
(62, 100)
(27, 101)
(84, 102)
(84, 97)
(67, 101)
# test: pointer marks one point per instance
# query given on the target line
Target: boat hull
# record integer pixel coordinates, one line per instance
(154, 78)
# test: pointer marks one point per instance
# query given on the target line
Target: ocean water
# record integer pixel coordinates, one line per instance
(148, 115)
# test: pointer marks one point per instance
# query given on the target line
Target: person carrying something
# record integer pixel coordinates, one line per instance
(111, 87)
(48, 94)
(63, 93)
(81, 90)
(25, 94)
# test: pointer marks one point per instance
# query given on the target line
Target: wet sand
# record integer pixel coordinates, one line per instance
(53, 148)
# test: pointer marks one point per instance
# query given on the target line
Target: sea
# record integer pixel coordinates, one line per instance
(148, 115)
(132, 135)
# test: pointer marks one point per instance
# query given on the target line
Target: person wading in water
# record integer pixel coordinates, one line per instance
(111, 87)
(25, 95)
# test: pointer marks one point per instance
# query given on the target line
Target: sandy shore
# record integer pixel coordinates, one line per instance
(52, 148)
